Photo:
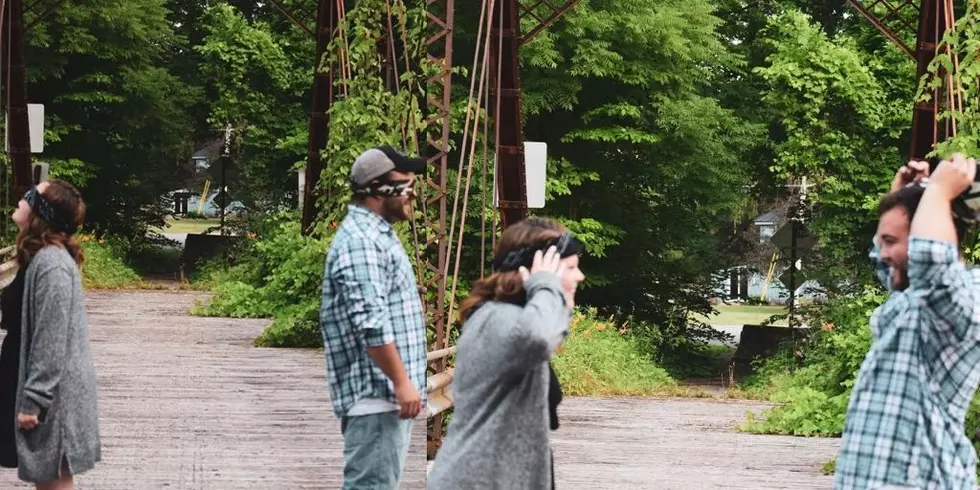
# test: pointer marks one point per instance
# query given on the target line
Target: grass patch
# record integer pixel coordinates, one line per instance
(743, 315)
(104, 268)
(189, 225)
(829, 467)
(600, 360)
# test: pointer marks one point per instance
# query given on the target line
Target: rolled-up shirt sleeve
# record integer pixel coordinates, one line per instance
(944, 283)
(364, 286)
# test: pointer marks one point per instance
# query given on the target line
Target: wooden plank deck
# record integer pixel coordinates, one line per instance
(620, 443)
(188, 403)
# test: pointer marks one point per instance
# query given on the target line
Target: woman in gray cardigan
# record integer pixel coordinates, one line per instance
(514, 320)
(58, 417)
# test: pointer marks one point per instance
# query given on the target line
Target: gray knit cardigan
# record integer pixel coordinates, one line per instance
(57, 375)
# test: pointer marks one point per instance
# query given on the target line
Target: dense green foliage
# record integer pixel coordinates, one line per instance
(599, 359)
(812, 382)
(117, 119)
(670, 125)
(105, 266)
(277, 274)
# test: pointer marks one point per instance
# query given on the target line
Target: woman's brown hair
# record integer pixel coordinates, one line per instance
(508, 286)
(67, 202)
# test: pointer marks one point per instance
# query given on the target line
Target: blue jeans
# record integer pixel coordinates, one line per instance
(375, 447)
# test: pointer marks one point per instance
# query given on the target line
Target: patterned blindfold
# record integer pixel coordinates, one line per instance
(566, 244)
(44, 210)
(392, 188)
(966, 206)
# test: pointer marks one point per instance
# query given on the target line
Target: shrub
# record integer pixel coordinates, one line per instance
(598, 358)
(277, 274)
(812, 381)
(104, 266)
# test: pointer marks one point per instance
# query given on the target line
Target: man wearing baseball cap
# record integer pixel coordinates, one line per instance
(372, 322)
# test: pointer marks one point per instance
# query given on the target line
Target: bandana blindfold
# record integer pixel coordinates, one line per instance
(384, 188)
(566, 245)
(44, 210)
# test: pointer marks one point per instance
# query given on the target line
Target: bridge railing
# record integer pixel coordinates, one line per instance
(9, 266)
(439, 385)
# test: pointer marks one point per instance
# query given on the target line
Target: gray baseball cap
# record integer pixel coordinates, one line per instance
(380, 160)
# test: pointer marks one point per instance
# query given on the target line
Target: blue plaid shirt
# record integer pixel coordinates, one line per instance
(370, 299)
(906, 414)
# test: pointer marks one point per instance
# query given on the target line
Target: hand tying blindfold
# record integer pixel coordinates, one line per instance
(566, 245)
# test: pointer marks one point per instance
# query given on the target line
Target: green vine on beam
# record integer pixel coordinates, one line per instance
(963, 62)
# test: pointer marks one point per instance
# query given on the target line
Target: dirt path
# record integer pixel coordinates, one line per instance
(188, 403)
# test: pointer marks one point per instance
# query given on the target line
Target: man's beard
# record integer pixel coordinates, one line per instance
(900, 279)
(394, 210)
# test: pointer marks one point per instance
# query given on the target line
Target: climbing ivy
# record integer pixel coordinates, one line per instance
(960, 61)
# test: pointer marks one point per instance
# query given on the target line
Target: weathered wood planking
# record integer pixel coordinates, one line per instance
(188, 403)
(620, 443)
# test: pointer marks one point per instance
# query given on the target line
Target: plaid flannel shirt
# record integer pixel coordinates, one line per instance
(370, 298)
(905, 418)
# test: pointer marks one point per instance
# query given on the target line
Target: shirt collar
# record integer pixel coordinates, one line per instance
(367, 217)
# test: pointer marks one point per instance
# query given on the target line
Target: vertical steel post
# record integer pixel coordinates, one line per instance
(925, 126)
(440, 18)
(18, 129)
(505, 42)
(323, 97)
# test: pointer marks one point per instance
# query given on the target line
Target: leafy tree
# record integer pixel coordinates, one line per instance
(625, 93)
(842, 115)
(116, 116)
(256, 80)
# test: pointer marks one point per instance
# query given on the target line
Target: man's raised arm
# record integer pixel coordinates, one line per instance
(935, 270)
(934, 218)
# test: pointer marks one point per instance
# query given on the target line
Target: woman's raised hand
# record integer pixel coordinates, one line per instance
(548, 261)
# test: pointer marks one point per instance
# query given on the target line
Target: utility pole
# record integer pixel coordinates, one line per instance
(225, 161)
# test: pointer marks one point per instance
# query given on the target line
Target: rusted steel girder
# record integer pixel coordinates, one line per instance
(40, 10)
(926, 128)
(552, 13)
(893, 19)
(505, 100)
(505, 97)
(327, 16)
(14, 78)
(295, 18)
(440, 18)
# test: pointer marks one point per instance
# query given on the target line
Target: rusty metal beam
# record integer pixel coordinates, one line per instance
(505, 42)
(925, 125)
(52, 7)
(440, 20)
(295, 19)
(555, 14)
(18, 131)
(932, 26)
(880, 25)
(323, 96)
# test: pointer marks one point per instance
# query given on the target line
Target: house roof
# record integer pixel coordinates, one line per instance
(209, 151)
(769, 217)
